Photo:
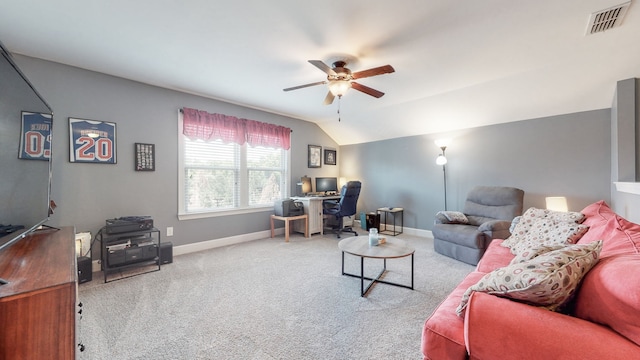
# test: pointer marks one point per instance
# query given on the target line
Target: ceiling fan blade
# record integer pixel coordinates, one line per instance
(367, 90)
(373, 72)
(322, 66)
(304, 86)
(329, 99)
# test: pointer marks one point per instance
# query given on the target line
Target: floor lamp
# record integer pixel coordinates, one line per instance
(442, 160)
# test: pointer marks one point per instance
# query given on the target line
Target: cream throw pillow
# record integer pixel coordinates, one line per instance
(549, 232)
(548, 280)
(532, 214)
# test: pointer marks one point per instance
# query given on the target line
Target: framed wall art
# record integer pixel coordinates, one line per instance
(314, 155)
(329, 157)
(35, 136)
(145, 157)
(92, 141)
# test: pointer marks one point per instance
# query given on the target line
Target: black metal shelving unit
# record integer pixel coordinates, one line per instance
(127, 252)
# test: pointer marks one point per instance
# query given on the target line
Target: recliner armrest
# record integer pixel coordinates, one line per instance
(496, 229)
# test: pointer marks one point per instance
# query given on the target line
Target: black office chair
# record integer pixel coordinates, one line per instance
(346, 206)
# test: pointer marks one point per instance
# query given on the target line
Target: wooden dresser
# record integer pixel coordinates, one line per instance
(38, 305)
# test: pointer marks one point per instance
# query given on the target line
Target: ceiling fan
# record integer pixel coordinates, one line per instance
(340, 79)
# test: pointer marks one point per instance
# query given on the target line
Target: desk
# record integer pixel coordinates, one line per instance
(288, 219)
(313, 207)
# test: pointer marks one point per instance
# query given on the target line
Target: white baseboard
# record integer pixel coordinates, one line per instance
(215, 243)
(211, 244)
(405, 230)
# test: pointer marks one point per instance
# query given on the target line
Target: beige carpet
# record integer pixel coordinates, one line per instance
(266, 299)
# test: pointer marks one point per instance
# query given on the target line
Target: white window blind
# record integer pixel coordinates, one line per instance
(218, 177)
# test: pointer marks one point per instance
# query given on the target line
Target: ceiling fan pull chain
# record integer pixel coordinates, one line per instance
(339, 97)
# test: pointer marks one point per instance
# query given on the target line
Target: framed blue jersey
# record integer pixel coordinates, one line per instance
(92, 141)
(35, 136)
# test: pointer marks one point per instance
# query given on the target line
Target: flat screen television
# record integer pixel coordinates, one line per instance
(326, 184)
(25, 154)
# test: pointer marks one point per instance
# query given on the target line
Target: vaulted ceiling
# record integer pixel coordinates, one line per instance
(458, 64)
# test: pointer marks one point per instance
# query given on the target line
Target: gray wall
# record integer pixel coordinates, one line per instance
(566, 155)
(88, 194)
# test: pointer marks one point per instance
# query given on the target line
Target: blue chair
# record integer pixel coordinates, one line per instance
(346, 206)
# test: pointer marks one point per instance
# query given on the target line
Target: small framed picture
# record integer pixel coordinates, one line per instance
(314, 153)
(145, 157)
(329, 157)
(92, 141)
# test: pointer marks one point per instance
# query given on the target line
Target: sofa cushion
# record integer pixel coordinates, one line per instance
(496, 328)
(620, 237)
(443, 332)
(495, 257)
(602, 224)
(532, 214)
(597, 213)
(610, 295)
(549, 232)
(548, 280)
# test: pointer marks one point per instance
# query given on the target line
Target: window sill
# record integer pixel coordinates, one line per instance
(212, 214)
(628, 187)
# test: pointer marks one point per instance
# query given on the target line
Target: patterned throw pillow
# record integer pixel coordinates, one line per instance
(452, 217)
(533, 252)
(525, 223)
(548, 232)
(548, 280)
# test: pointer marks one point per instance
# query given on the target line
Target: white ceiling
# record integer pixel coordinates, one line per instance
(458, 64)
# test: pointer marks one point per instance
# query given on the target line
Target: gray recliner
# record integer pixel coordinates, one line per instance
(487, 215)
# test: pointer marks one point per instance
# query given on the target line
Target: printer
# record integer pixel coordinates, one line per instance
(288, 207)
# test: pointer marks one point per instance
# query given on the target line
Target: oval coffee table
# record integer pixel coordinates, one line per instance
(391, 249)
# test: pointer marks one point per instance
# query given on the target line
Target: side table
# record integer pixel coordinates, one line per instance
(398, 214)
(286, 220)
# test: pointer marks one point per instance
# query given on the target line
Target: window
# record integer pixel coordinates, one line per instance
(220, 178)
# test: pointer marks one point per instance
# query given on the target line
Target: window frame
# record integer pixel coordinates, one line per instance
(243, 196)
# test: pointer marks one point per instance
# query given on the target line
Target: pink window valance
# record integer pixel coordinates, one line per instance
(202, 125)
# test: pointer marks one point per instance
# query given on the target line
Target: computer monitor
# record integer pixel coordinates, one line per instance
(326, 184)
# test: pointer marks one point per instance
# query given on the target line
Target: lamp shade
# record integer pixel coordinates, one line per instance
(441, 160)
(305, 183)
(339, 87)
(557, 203)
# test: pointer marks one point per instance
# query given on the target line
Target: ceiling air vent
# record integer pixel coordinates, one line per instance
(608, 18)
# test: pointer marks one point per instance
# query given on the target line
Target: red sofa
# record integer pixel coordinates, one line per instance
(603, 321)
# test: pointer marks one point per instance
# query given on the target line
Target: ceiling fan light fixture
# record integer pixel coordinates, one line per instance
(340, 79)
(339, 87)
